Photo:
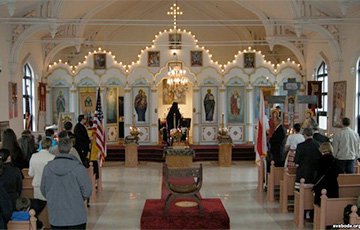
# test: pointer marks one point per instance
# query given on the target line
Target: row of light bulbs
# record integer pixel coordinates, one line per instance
(129, 67)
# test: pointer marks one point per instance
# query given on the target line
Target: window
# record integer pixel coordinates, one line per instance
(28, 98)
(321, 113)
(358, 95)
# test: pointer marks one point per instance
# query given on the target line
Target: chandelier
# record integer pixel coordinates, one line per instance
(177, 80)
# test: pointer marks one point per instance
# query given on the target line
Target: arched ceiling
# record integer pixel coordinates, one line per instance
(279, 28)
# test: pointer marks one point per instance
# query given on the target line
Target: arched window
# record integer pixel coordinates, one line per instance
(28, 98)
(322, 75)
(358, 95)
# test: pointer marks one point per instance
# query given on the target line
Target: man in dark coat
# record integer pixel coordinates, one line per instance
(319, 137)
(306, 157)
(82, 139)
(277, 143)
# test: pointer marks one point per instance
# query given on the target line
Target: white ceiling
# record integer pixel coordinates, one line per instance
(224, 27)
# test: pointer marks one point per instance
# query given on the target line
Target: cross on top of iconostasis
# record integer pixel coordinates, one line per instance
(175, 11)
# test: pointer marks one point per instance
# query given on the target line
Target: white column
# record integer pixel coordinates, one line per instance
(277, 88)
(154, 130)
(49, 109)
(196, 115)
(250, 114)
(73, 100)
(127, 110)
(222, 104)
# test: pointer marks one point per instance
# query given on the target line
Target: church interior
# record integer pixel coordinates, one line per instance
(201, 68)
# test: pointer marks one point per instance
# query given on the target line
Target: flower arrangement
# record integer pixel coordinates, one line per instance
(134, 131)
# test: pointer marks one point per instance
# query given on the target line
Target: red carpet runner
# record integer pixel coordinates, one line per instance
(152, 217)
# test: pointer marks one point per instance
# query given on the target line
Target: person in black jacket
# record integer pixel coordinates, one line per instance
(306, 157)
(327, 172)
(6, 208)
(82, 140)
(319, 137)
(277, 143)
(9, 142)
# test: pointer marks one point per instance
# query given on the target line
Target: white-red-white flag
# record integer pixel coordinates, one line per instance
(263, 124)
(99, 130)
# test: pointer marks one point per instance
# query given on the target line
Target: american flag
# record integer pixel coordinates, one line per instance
(99, 129)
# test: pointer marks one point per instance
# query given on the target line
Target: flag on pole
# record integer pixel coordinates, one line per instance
(263, 125)
(99, 130)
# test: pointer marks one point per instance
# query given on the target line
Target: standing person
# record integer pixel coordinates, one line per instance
(37, 164)
(82, 139)
(6, 208)
(94, 150)
(66, 203)
(306, 157)
(277, 141)
(27, 145)
(209, 104)
(327, 172)
(346, 147)
(295, 138)
(10, 177)
(319, 137)
(9, 142)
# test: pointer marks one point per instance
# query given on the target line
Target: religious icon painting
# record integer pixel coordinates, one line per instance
(100, 61)
(339, 102)
(13, 100)
(87, 101)
(60, 102)
(169, 96)
(66, 117)
(196, 58)
(315, 88)
(235, 96)
(249, 60)
(175, 41)
(111, 106)
(209, 104)
(112, 133)
(153, 58)
(141, 104)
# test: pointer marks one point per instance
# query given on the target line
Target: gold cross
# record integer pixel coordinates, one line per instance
(175, 11)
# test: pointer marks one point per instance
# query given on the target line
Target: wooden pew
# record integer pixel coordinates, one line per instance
(23, 225)
(357, 167)
(91, 174)
(274, 177)
(349, 190)
(331, 210)
(348, 179)
(287, 185)
(304, 200)
(27, 189)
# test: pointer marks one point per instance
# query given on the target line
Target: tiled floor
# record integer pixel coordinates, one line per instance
(120, 204)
